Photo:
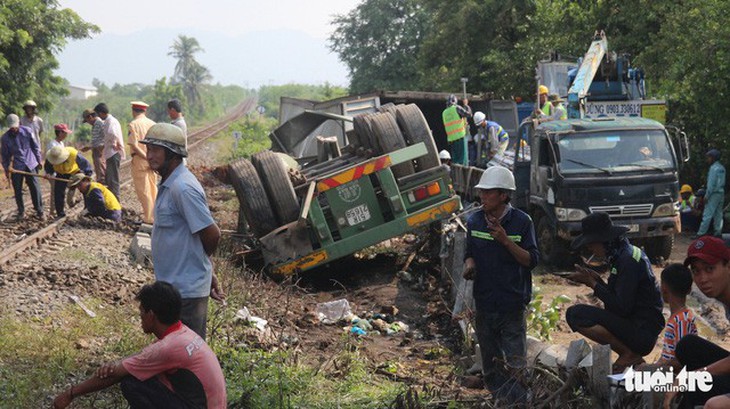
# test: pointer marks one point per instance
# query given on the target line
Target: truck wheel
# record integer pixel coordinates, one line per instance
(272, 171)
(659, 248)
(391, 139)
(389, 107)
(364, 131)
(553, 249)
(415, 129)
(252, 198)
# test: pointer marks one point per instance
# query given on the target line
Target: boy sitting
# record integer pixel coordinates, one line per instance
(676, 285)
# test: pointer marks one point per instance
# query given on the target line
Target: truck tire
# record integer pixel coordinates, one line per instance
(391, 139)
(553, 249)
(363, 129)
(252, 198)
(659, 248)
(272, 171)
(389, 107)
(415, 129)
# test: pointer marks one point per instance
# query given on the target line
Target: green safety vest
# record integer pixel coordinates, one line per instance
(454, 124)
(547, 108)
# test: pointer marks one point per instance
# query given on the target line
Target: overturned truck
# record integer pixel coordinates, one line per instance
(306, 208)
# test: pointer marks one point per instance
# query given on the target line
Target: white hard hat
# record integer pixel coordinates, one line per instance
(497, 177)
(479, 117)
(444, 155)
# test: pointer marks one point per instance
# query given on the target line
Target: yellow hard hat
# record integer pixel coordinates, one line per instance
(543, 89)
(685, 189)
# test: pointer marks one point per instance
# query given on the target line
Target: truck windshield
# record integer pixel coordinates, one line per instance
(615, 151)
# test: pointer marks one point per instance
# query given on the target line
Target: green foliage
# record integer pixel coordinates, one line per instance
(543, 320)
(255, 135)
(270, 95)
(682, 46)
(378, 41)
(158, 97)
(261, 379)
(217, 98)
(31, 33)
(39, 357)
(694, 66)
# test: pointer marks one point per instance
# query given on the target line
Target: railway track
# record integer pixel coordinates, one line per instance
(17, 236)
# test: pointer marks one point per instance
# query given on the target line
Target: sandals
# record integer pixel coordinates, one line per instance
(617, 368)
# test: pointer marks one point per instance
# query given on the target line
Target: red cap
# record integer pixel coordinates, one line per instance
(709, 249)
(62, 127)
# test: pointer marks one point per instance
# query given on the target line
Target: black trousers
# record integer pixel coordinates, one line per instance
(638, 336)
(695, 352)
(150, 394)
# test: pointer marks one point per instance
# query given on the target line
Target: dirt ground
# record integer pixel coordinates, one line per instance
(712, 325)
(90, 260)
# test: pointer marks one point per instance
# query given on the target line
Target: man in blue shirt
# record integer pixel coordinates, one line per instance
(714, 196)
(500, 252)
(184, 234)
(18, 144)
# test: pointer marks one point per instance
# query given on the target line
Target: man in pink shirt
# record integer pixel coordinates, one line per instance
(178, 370)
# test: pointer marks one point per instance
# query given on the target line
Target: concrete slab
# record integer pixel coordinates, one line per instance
(599, 371)
(141, 249)
(553, 356)
(577, 351)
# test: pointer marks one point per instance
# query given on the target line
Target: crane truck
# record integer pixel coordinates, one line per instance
(612, 154)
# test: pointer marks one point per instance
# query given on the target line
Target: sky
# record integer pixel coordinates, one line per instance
(247, 43)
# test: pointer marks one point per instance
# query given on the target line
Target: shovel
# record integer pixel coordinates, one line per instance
(20, 172)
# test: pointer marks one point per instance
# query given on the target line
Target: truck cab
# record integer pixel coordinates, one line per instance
(626, 167)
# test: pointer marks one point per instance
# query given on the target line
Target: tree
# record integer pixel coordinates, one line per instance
(158, 98)
(188, 71)
(379, 42)
(32, 32)
(692, 64)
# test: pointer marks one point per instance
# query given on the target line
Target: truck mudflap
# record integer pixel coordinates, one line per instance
(351, 244)
(649, 227)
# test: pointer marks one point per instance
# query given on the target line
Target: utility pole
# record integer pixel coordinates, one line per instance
(464, 80)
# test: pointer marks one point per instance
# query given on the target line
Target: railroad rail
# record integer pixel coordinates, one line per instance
(8, 251)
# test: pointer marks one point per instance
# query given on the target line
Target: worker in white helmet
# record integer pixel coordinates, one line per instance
(491, 139)
(33, 121)
(445, 157)
(500, 253)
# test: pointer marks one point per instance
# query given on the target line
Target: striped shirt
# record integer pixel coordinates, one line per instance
(680, 324)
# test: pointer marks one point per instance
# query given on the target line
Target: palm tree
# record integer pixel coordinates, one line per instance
(196, 75)
(188, 71)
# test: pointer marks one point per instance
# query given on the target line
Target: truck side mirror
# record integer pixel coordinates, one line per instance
(681, 142)
(685, 140)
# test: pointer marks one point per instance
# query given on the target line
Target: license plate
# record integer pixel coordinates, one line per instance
(633, 228)
(357, 215)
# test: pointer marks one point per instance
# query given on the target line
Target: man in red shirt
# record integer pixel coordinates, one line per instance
(178, 370)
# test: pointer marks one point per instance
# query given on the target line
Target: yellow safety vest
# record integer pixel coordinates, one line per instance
(110, 201)
(69, 166)
(547, 108)
(454, 124)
